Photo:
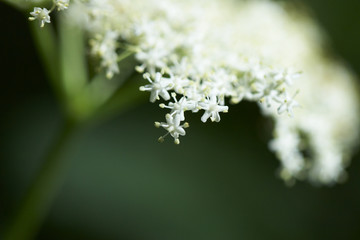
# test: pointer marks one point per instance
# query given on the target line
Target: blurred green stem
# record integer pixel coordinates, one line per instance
(38, 199)
(60, 71)
(73, 69)
(47, 46)
(84, 104)
(26, 4)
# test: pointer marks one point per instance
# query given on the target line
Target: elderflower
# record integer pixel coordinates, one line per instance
(42, 14)
(199, 56)
(61, 4)
(173, 127)
(159, 86)
(287, 104)
(179, 107)
(212, 109)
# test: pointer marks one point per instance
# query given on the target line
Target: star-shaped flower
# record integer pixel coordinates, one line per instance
(173, 127)
(212, 109)
(287, 104)
(42, 14)
(179, 107)
(159, 86)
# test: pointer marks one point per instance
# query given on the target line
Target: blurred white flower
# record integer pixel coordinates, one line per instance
(105, 46)
(61, 4)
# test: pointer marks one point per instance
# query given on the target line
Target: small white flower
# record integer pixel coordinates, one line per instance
(179, 107)
(270, 97)
(212, 109)
(173, 127)
(179, 83)
(287, 104)
(266, 92)
(42, 14)
(61, 4)
(220, 83)
(159, 86)
(152, 56)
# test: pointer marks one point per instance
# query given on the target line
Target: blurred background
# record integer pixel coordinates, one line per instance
(219, 183)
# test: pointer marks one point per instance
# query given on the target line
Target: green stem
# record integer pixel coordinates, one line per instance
(83, 103)
(37, 201)
(124, 55)
(47, 47)
(25, 4)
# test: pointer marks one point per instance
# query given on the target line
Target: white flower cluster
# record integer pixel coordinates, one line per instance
(188, 56)
(43, 14)
(317, 143)
(202, 55)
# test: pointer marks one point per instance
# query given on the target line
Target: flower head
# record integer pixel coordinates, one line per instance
(197, 62)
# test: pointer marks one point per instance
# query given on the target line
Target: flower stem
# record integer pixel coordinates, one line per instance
(37, 201)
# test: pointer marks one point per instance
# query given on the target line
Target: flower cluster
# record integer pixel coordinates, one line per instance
(199, 76)
(201, 56)
(208, 93)
(105, 47)
(43, 14)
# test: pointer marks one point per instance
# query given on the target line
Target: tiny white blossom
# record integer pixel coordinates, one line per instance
(173, 127)
(159, 86)
(42, 14)
(267, 93)
(179, 83)
(152, 56)
(179, 107)
(212, 109)
(61, 4)
(287, 104)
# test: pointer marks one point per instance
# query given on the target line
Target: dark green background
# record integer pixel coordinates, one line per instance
(220, 183)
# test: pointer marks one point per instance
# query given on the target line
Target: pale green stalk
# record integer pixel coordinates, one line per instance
(84, 102)
(37, 201)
